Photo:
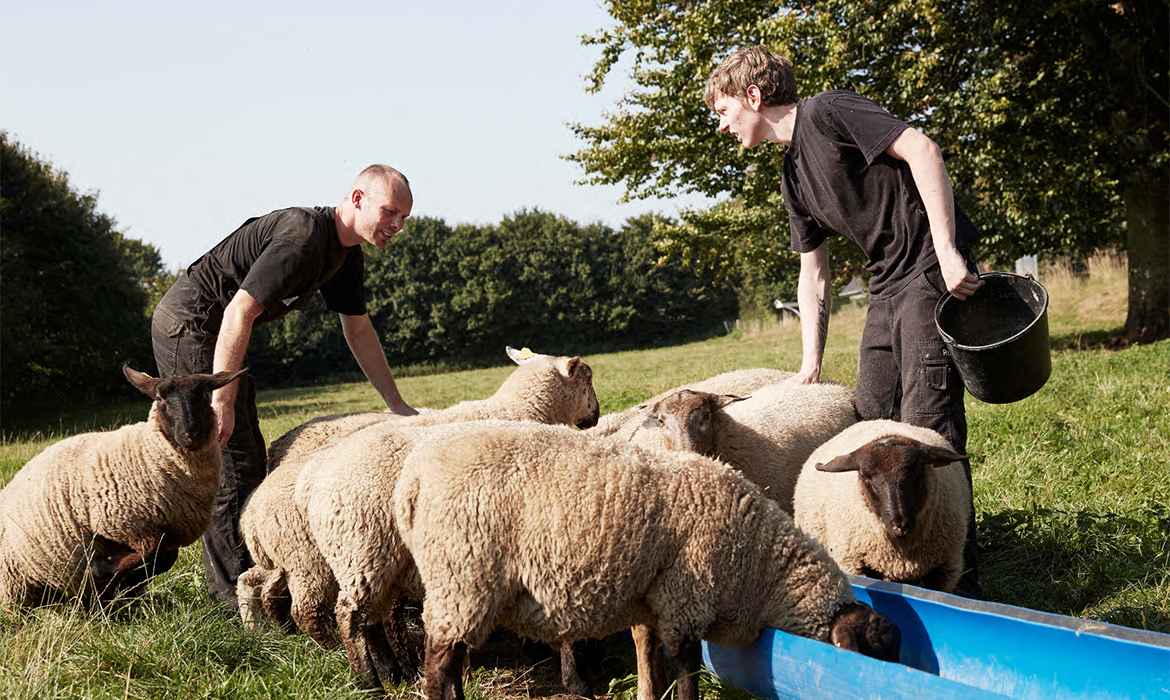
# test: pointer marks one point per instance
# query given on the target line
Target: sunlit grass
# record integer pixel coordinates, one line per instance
(1072, 493)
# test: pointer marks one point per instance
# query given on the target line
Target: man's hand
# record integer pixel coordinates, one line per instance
(225, 413)
(401, 408)
(805, 376)
(960, 281)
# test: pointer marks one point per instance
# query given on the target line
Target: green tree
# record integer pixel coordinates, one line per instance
(1053, 118)
(72, 309)
(149, 271)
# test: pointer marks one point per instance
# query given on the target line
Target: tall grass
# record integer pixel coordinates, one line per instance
(1072, 493)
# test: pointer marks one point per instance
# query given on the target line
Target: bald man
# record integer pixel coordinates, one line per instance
(269, 266)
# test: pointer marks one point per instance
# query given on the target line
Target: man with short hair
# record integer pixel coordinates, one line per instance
(269, 266)
(854, 170)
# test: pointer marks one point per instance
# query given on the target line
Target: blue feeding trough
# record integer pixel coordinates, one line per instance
(955, 648)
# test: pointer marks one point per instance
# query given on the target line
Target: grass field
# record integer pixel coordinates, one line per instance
(1072, 493)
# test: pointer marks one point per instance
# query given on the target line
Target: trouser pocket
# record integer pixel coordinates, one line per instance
(934, 366)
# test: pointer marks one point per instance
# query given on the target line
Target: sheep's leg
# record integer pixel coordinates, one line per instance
(350, 627)
(570, 676)
(444, 670)
(249, 589)
(943, 577)
(368, 651)
(394, 627)
(142, 561)
(651, 667)
(276, 600)
(108, 563)
(310, 609)
(688, 661)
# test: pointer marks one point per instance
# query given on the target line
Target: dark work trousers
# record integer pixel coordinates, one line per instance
(183, 346)
(905, 374)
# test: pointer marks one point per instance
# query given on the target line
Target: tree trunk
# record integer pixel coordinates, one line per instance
(1147, 223)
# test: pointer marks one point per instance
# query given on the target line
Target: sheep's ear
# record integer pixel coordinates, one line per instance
(520, 357)
(724, 400)
(568, 366)
(842, 463)
(939, 456)
(220, 379)
(142, 382)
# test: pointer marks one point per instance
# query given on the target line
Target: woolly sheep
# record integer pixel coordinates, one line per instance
(277, 536)
(542, 388)
(560, 537)
(99, 513)
(888, 500)
(346, 494)
(740, 382)
(769, 435)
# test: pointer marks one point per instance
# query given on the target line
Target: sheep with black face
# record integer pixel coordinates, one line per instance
(100, 513)
(888, 500)
(560, 536)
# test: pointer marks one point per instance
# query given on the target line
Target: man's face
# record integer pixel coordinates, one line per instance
(739, 119)
(382, 212)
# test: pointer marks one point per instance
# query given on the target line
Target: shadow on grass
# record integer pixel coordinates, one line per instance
(1087, 340)
(1067, 562)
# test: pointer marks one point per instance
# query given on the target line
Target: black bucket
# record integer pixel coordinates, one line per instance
(998, 337)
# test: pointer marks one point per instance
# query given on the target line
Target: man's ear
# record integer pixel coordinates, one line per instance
(753, 97)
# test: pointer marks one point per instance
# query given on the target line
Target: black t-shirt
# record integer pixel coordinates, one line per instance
(838, 179)
(281, 258)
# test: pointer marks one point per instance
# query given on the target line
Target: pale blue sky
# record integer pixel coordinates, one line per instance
(189, 118)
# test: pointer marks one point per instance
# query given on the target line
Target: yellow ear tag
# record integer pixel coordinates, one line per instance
(525, 354)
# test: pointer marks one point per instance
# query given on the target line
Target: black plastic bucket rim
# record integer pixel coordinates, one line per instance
(950, 340)
(1008, 369)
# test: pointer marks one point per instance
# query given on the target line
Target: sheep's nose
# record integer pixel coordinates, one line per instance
(898, 527)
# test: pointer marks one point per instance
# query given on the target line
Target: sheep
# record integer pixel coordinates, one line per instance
(277, 536)
(542, 388)
(769, 435)
(766, 436)
(345, 493)
(98, 514)
(561, 537)
(740, 382)
(888, 500)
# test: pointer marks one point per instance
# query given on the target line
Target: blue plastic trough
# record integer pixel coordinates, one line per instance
(956, 648)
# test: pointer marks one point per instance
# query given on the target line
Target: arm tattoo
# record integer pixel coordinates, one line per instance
(822, 322)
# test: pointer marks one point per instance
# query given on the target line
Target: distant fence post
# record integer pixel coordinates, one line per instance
(1028, 265)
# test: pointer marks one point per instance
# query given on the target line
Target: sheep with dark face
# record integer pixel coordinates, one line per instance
(682, 420)
(100, 513)
(290, 571)
(767, 435)
(888, 500)
(560, 537)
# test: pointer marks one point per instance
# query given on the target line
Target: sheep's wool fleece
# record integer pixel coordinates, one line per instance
(769, 435)
(830, 507)
(346, 493)
(560, 537)
(125, 485)
(631, 424)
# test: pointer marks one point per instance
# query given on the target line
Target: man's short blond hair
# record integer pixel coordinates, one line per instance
(379, 173)
(753, 65)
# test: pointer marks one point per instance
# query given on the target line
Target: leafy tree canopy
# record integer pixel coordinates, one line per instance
(72, 303)
(1052, 116)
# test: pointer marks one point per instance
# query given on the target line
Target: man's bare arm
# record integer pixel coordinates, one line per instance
(812, 297)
